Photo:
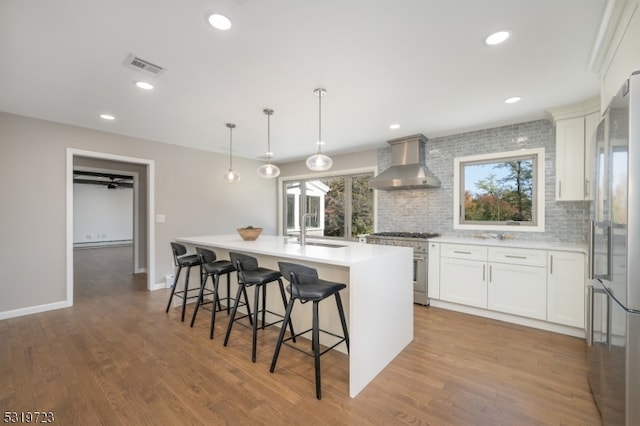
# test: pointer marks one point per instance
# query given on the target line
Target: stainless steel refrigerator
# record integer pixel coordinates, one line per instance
(613, 302)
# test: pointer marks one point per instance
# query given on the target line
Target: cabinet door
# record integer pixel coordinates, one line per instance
(463, 281)
(591, 122)
(566, 288)
(518, 289)
(570, 159)
(433, 279)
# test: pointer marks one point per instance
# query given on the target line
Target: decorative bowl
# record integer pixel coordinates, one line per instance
(249, 234)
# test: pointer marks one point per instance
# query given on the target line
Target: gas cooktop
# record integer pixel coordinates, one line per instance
(423, 235)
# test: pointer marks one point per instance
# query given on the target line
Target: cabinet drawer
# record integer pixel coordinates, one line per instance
(460, 251)
(518, 256)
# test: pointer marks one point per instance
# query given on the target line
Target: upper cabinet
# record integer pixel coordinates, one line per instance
(575, 149)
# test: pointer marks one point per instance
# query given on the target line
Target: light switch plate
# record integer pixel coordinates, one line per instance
(160, 218)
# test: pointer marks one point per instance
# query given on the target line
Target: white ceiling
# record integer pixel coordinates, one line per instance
(420, 63)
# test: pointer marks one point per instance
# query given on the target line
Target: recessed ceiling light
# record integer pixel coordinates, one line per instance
(107, 117)
(219, 22)
(497, 37)
(394, 126)
(512, 100)
(144, 85)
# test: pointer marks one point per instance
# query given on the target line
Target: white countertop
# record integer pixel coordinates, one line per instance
(538, 245)
(352, 252)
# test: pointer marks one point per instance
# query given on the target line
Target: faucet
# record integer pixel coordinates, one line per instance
(303, 227)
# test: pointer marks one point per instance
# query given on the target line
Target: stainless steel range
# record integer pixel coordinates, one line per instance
(417, 241)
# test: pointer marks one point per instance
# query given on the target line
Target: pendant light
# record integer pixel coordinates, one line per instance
(230, 176)
(268, 170)
(319, 162)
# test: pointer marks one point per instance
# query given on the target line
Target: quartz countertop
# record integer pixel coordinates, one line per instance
(494, 242)
(348, 254)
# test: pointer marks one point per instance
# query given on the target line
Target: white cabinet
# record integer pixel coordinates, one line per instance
(575, 150)
(518, 289)
(518, 282)
(433, 278)
(570, 159)
(566, 288)
(463, 274)
(540, 284)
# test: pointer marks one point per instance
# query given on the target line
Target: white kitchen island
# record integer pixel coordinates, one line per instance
(378, 300)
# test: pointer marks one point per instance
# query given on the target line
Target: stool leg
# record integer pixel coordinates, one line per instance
(343, 320)
(256, 307)
(246, 303)
(228, 291)
(216, 298)
(173, 288)
(200, 297)
(184, 295)
(284, 303)
(233, 312)
(316, 347)
(264, 304)
(287, 317)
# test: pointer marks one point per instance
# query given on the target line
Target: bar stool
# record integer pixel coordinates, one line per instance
(306, 286)
(211, 267)
(182, 260)
(250, 274)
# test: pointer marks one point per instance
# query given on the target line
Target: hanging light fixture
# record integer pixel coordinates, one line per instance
(230, 176)
(319, 162)
(268, 170)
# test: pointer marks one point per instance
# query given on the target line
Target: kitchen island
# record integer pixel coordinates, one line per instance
(378, 300)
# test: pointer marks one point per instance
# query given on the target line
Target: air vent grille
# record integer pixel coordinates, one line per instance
(142, 65)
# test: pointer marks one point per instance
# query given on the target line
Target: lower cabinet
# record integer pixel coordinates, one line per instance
(565, 295)
(463, 281)
(518, 289)
(547, 285)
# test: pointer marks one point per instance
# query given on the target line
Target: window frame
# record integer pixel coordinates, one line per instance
(538, 192)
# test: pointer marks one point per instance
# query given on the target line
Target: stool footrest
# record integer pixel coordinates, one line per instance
(263, 326)
(309, 353)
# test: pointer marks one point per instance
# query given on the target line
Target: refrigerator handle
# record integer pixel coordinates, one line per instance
(591, 251)
(608, 320)
(590, 306)
(609, 275)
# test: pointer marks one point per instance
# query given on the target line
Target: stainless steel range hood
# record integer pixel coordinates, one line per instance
(407, 169)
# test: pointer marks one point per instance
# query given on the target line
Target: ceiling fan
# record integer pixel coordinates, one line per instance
(110, 180)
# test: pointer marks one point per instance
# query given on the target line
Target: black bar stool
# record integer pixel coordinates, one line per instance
(250, 274)
(211, 267)
(306, 286)
(182, 260)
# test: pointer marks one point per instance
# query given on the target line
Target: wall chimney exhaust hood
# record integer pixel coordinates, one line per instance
(407, 169)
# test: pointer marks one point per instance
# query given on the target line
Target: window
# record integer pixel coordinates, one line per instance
(503, 191)
(342, 206)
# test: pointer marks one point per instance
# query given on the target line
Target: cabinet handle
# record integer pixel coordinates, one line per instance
(461, 252)
(483, 272)
(586, 187)
(490, 273)
(551, 264)
(559, 189)
(515, 257)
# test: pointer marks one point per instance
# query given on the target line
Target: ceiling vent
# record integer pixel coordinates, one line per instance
(142, 65)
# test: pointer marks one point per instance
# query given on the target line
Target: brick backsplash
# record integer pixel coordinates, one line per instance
(419, 210)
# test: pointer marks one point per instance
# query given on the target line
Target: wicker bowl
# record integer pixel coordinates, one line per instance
(249, 234)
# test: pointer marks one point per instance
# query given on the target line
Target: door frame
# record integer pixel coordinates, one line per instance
(150, 166)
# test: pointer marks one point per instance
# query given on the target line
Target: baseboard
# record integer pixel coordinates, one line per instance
(34, 309)
(158, 286)
(500, 316)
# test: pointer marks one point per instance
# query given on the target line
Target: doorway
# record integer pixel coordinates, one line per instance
(144, 236)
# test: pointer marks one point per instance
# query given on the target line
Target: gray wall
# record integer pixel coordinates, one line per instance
(432, 209)
(188, 190)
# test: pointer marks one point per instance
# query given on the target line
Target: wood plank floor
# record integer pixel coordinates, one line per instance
(115, 358)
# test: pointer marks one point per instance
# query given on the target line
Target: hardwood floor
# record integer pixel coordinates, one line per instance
(115, 357)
